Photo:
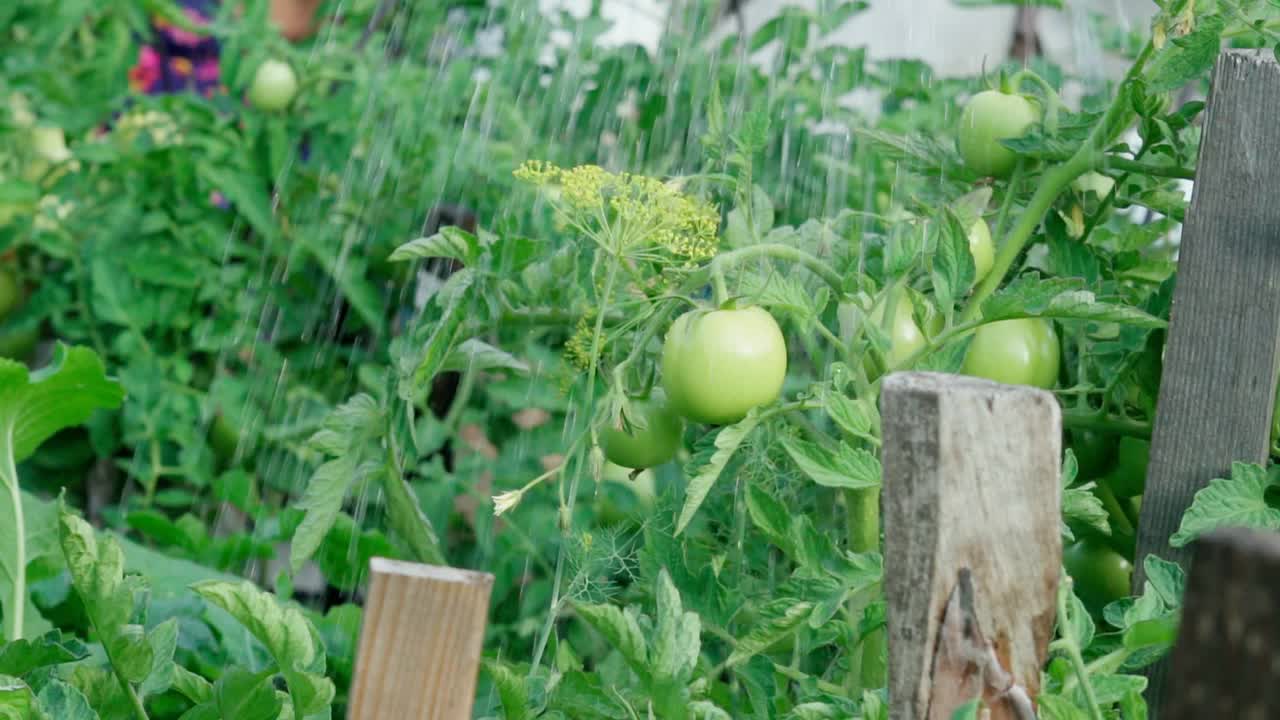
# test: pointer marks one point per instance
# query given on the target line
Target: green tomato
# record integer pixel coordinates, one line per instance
(224, 438)
(718, 365)
(1101, 574)
(1129, 477)
(10, 292)
(19, 344)
(905, 336)
(992, 116)
(1095, 452)
(982, 249)
(1024, 351)
(651, 437)
(274, 85)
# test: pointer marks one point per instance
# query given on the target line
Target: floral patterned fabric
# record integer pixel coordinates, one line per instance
(179, 60)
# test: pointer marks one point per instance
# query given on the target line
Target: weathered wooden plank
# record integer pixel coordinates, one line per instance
(1227, 660)
(1223, 344)
(972, 546)
(420, 642)
(1224, 335)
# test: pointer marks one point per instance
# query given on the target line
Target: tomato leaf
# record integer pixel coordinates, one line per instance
(777, 620)
(476, 354)
(726, 442)
(512, 688)
(841, 467)
(53, 648)
(953, 264)
(1187, 57)
(1033, 296)
(858, 417)
(63, 701)
(622, 629)
(291, 640)
(1238, 501)
(451, 242)
(677, 637)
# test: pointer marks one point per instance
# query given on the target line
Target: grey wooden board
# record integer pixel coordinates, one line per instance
(971, 481)
(1227, 660)
(1219, 380)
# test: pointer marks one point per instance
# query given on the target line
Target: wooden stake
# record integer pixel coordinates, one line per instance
(420, 642)
(1227, 660)
(973, 549)
(1219, 381)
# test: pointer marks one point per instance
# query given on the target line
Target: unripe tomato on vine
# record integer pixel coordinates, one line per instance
(989, 117)
(274, 85)
(1024, 351)
(717, 365)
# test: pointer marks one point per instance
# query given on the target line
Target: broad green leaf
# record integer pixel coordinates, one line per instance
(321, 501)
(1238, 501)
(34, 406)
(1033, 296)
(677, 636)
(952, 263)
(451, 242)
(1187, 57)
(16, 700)
(512, 689)
(59, 700)
(778, 619)
(770, 517)
(97, 574)
(858, 417)
(476, 354)
(1056, 707)
(53, 648)
(842, 467)
(163, 640)
(1080, 505)
(1077, 626)
(1110, 688)
(622, 629)
(287, 635)
(243, 695)
(191, 686)
(727, 441)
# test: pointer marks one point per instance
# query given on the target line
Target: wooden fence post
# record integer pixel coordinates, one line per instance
(1227, 660)
(973, 548)
(420, 642)
(1223, 344)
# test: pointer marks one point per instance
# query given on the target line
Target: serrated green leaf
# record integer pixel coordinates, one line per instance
(952, 263)
(287, 635)
(1056, 707)
(677, 636)
(475, 354)
(1187, 57)
(512, 689)
(163, 640)
(769, 516)
(191, 686)
(243, 695)
(130, 652)
(59, 700)
(1238, 501)
(858, 417)
(451, 242)
(778, 619)
(1066, 298)
(22, 656)
(321, 502)
(727, 441)
(1077, 626)
(842, 467)
(622, 629)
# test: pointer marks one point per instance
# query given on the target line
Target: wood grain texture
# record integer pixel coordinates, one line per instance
(1224, 335)
(420, 642)
(971, 490)
(1227, 660)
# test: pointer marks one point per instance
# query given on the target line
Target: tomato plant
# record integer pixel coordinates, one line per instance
(1016, 352)
(650, 435)
(274, 86)
(718, 365)
(989, 117)
(982, 248)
